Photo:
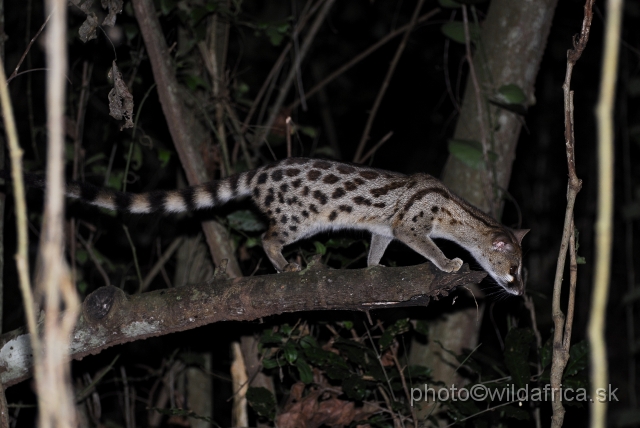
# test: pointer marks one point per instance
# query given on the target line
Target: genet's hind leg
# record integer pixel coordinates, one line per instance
(423, 245)
(272, 241)
(379, 243)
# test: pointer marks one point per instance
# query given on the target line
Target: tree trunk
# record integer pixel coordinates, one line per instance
(514, 36)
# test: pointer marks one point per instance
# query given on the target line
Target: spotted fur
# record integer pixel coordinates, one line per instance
(302, 197)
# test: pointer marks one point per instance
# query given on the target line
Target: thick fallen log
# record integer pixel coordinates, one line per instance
(110, 317)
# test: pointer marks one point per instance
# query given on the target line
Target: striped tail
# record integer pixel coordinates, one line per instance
(189, 199)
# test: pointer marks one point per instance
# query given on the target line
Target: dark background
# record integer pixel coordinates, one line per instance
(417, 107)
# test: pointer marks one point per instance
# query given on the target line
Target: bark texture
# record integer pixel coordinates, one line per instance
(110, 317)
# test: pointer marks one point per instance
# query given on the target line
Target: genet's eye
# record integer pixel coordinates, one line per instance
(513, 270)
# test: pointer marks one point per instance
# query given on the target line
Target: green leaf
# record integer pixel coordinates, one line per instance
(309, 131)
(470, 153)
(81, 256)
(245, 221)
(306, 374)
(164, 156)
(511, 94)
(262, 401)
(290, 352)
(401, 326)
(347, 324)
(455, 31)
(252, 241)
(516, 355)
(308, 342)
(269, 363)
(581, 260)
(422, 327)
(320, 248)
(270, 337)
(449, 3)
(578, 359)
(354, 387)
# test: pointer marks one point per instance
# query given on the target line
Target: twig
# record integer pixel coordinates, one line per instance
(394, 354)
(488, 178)
(362, 55)
(22, 256)
(604, 226)
(562, 332)
(288, 130)
(87, 246)
(277, 66)
(385, 83)
(284, 89)
(26, 51)
(376, 147)
(160, 263)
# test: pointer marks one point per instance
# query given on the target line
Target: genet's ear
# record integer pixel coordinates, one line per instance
(502, 242)
(519, 234)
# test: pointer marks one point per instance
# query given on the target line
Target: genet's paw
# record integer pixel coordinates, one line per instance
(291, 267)
(453, 265)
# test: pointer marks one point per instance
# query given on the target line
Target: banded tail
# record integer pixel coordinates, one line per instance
(202, 196)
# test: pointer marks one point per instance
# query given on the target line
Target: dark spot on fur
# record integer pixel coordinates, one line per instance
(359, 200)
(359, 181)
(274, 234)
(333, 215)
(280, 197)
(268, 200)
(256, 192)
(453, 221)
(284, 187)
(345, 208)
(421, 213)
(295, 219)
(305, 191)
(415, 218)
(369, 175)
(338, 193)
(379, 205)
(278, 210)
(276, 175)
(349, 185)
(434, 210)
(321, 164)
(330, 179)
(415, 197)
(284, 219)
(296, 183)
(262, 178)
(249, 176)
(305, 214)
(314, 174)
(321, 197)
(313, 209)
(381, 191)
(292, 172)
(291, 201)
(285, 234)
(293, 228)
(346, 169)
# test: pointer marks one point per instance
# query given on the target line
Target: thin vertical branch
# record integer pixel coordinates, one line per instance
(604, 222)
(53, 380)
(385, 83)
(284, 89)
(22, 257)
(562, 331)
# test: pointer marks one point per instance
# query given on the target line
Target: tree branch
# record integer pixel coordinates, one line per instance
(109, 317)
(178, 123)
